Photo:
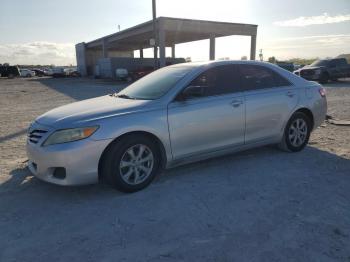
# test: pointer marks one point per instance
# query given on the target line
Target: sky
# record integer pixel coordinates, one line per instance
(45, 32)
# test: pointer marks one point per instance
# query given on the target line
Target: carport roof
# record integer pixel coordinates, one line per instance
(176, 31)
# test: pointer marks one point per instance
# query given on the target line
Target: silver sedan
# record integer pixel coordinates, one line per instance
(176, 115)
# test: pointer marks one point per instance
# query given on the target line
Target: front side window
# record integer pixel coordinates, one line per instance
(218, 81)
(258, 77)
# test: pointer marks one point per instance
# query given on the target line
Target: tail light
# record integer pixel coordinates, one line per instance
(322, 92)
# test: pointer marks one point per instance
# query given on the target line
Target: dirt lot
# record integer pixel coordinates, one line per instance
(259, 205)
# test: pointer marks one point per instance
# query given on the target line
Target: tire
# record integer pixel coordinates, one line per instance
(324, 78)
(296, 136)
(128, 174)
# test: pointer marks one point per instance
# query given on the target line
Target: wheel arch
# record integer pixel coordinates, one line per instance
(152, 136)
(308, 113)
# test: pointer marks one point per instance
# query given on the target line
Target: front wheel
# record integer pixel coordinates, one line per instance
(131, 163)
(324, 78)
(296, 133)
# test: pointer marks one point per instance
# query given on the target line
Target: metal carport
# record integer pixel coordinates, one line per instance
(169, 31)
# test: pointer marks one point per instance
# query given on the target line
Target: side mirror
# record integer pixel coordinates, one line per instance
(191, 92)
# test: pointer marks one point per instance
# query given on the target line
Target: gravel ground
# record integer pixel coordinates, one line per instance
(259, 205)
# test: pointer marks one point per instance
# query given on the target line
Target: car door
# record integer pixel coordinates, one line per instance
(334, 69)
(269, 100)
(211, 120)
(341, 67)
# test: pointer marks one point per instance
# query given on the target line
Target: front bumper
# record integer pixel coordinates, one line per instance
(79, 159)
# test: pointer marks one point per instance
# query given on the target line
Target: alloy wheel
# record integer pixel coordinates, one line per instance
(136, 164)
(297, 133)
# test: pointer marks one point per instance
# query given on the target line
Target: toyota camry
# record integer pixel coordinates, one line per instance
(175, 115)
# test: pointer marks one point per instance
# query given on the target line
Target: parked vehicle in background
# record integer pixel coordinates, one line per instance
(48, 72)
(26, 73)
(9, 71)
(74, 73)
(39, 72)
(121, 74)
(71, 72)
(141, 72)
(58, 72)
(296, 67)
(175, 115)
(325, 70)
(286, 65)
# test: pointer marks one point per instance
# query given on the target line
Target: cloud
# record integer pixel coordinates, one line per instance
(38, 53)
(313, 20)
(308, 46)
(316, 40)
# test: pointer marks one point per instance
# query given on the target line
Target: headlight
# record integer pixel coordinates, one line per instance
(70, 135)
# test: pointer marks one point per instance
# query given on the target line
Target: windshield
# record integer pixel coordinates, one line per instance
(155, 84)
(320, 63)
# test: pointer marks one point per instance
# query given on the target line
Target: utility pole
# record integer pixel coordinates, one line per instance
(261, 55)
(155, 47)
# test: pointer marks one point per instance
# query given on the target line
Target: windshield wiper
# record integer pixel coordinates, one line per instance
(123, 96)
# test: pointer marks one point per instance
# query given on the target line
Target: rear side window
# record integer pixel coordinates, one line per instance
(258, 77)
(340, 62)
(218, 80)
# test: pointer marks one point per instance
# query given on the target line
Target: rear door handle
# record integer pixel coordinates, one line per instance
(236, 103)
(290, 94)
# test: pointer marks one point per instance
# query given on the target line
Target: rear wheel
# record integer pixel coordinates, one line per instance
(131, 163)
(296, 133)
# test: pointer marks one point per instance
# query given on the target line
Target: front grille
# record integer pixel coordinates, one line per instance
(307, 72)
(35, 135)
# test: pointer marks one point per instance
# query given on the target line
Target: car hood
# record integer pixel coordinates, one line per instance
(311, 67)
(78, 113)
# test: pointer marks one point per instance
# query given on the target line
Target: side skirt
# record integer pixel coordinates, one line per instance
(217, 153)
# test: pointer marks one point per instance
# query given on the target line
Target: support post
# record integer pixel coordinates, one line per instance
(161, 42)
(141, 53)
(173, 50)
(155, 35)
(252, 47)
(104, 48)
(80, 51)
(212, 48)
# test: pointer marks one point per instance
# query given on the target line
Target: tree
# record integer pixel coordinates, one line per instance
(302, 61)
(272, 60)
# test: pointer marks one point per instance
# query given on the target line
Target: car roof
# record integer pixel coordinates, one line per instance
(296, 80)
(221, 62)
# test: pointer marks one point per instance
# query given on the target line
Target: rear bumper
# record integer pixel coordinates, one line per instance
(79, 159)
(319, 111)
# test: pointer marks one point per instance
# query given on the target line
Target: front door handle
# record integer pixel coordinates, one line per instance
(236, 103)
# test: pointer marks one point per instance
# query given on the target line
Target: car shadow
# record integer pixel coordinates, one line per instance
(81, 88)
(230, 167)
(340, 83)
(13, 135)
(238, 201)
